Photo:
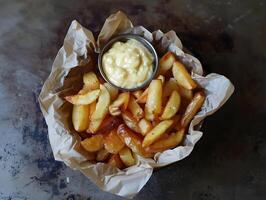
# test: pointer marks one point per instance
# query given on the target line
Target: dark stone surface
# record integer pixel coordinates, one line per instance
(228, 36)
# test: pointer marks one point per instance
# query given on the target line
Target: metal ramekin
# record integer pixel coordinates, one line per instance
(124, 38)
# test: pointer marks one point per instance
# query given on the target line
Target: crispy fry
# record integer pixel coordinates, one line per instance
(89, 155)
(120, 103)
(145, 126)
(127, 157)
(153, 105)
(93, 144)
(185, 93)
(101, 110)
(182, 76)
(172, 106)
(91, 81)
(135, 109)
(112, 142)
(143, 96)
(156, 132)
(166, 62)
(102, 155)
(132, 140)
(112, 91)
(170, 86)
(115, 161)
(167, 143)
(109, 123)
(137, 93)
(162, 78)
(80, 117)
(92, 108)
(83, 99)
(130, 121)
(192, 108)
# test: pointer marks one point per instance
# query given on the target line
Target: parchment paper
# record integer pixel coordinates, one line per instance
(79, 49)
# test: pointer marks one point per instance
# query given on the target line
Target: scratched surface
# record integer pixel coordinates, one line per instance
(228, 36)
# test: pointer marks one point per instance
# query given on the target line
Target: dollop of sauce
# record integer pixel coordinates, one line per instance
(128, 64)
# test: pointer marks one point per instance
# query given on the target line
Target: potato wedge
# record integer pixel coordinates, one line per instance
(162, 78)
(143, 96)
(83, 99)
(185, 93)
(127, 157)
(109, 123)
(145, 126)
(93, 144)
(137, 93)
(92, 108)
(115, 161)
(156, 132)
(130, 121)
(172, 106)
(102, 155)
(192, 108)
(153, 105)
(120, 103)
(101, 110)
(169, 142)
(182, 76)
(112, 142)
(135, 109)
(80, 117)
(112, 91)
(91, 81)
(166, 62)
(132, 140)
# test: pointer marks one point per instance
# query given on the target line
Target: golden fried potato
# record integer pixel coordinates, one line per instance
(83, 99)
(112, 142)
(192, 108)
(156, 132)
(130, 121)
(132, 140)
(145, 126)
(109, 123)
(153, 105)
(115, 161)
(102, 155)
(172, 106)
(169, 142)
(135, 109)
(80, 117)
(166, 62)
(127, 157)
(182, 76)
(113, 91)
(162, 78)
(91, 81)
(120, 103)
(137, 93)
(185, 93)
(101, 110)
(93, 144)
(143, 97)
(92, 108)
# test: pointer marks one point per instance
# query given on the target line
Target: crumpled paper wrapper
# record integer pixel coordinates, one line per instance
(75, 58)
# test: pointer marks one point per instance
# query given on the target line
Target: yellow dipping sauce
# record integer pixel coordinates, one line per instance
(128, 65)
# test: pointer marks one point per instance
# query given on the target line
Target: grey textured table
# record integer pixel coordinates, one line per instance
(228, 36)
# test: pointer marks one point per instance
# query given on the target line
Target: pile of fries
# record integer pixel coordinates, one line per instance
(115, 125)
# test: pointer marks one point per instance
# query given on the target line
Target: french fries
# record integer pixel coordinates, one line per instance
(121, 102)
(156, 132)
(137, 93)
(102, 155)
(101, 110)
(132, 140)
(93, 144)
(112, 91)
(135, 109)
(83, 99)
(112, 142)
(185, 93)
(109, 123)
(91, 81)
(153, 105)
(182, 76)
(80, 117)
(127, 157)
(143, 97)
(167, 143)
(172, 106)
(193, 108)
(115, 161)
(145, 126)
(130, 121)
(166, 62)
(162, 78)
